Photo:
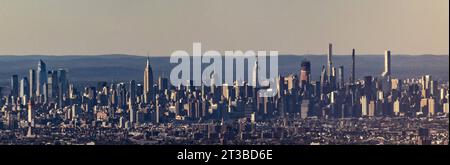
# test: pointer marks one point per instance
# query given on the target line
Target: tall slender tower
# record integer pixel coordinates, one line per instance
(132, 92)
(387, 71)
(157, 109)
(62, 82)
(255, 75)
(132, 112)
(387, 64)
(255, 78)
(323, 80)
(24, 88)
(353, 79)
(341, 76)
(32, 83)
(30, 112)
(353, 82)
(14, 86)
(41, 77)
(330, 62)
(148, 81)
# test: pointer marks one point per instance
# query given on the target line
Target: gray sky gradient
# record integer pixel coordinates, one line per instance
(159, 27)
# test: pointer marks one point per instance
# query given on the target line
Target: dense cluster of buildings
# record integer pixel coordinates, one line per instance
(46, 107)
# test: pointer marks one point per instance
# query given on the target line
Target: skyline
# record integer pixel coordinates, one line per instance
(403, 65)
(224, 80)
(224, 114)
(158, 28)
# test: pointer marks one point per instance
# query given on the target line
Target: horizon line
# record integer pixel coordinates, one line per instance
(120, 54)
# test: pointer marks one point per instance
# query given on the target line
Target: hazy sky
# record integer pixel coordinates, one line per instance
(159, 27)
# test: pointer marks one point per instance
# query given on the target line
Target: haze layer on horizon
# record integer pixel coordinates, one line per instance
(159, 27)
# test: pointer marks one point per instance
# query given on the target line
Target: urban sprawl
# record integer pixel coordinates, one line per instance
(46, 108)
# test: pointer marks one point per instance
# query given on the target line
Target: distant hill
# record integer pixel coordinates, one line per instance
(90, 69)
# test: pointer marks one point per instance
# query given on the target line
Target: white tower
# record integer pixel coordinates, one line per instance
(387, 64)
(255, 75)
(387, 71)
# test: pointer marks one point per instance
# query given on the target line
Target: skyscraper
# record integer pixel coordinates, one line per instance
(292, 83)
(353, 81)
(426, 85)
(305, 73)
(341, 76)
(30, 112)
(387, 64)
(157, 110)
(14, 85)
(331, 79)
(44, 93)
(63, 83)
(132, 92)
(163, 83)
(353, 78)
(396, 107)
(368, 87)
(431, 107)
(387, 71)
(131, 111)
(24, 87)
(226, 91)
(330, 62)
(364, 105)
(32, 83)
(62, 86)
(148, 81)
(52, 85)
(41, 77)
(255, 75)
(305, 108)
(323, 80)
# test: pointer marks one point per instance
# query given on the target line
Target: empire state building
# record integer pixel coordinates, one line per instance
(148, 82)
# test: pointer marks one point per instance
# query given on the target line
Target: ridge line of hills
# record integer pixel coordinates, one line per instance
(119, 67)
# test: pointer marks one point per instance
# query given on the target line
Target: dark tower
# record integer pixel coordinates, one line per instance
(341, 76)
(305, 73)
(353, 78)
(330, 62)
(14, 86)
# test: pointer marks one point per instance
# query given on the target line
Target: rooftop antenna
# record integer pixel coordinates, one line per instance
(147, 65)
